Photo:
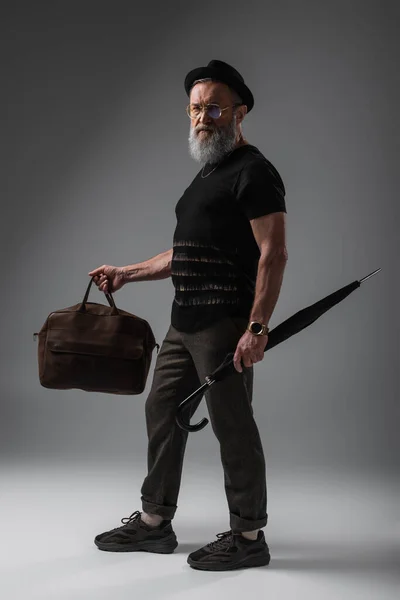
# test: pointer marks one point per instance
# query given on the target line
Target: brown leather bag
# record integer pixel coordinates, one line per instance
(96, 348)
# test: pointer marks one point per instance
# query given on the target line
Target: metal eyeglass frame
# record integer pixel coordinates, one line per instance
(205, 106)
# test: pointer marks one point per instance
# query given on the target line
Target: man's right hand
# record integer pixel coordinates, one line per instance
(108, 278)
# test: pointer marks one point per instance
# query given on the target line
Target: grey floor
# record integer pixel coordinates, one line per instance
(331, 535)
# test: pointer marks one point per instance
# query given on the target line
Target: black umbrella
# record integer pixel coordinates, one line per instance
(300, 320)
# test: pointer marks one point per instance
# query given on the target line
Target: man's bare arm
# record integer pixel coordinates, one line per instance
(157, 267)
(269, 232)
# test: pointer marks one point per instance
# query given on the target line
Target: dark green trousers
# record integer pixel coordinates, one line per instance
(183, 362)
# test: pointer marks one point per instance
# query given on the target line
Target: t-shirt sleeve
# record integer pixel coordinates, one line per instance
(260, 190)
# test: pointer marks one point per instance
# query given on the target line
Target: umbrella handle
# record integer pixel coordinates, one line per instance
(183, 425)
(196, 394)
(225, 368)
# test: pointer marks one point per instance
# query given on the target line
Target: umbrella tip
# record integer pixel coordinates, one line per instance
(370, 275)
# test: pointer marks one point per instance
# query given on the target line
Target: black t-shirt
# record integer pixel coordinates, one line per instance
(215, 254)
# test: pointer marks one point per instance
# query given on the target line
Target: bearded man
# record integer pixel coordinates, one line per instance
(226, 263)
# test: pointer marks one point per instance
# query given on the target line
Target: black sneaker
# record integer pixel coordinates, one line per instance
(231, 551)
(135, 535)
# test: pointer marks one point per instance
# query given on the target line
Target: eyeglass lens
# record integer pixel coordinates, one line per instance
(212, 110)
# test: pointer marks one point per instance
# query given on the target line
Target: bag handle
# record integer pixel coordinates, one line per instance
(108, 295)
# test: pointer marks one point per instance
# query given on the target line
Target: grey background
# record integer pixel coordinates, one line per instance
(94, 159)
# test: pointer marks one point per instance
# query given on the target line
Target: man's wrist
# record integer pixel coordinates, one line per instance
(126, 274)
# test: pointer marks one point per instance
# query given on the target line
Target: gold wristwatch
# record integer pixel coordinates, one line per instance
(257, 328)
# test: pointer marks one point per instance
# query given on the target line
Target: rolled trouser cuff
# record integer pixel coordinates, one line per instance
(238, 524)
(164, 511)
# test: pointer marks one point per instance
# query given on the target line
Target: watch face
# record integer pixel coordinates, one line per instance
(256, 327)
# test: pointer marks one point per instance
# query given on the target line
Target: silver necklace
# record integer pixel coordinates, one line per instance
(202, 171)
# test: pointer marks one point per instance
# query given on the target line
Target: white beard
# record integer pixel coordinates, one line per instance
(211, 147)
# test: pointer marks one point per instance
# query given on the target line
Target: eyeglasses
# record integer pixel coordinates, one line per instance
(212, 110)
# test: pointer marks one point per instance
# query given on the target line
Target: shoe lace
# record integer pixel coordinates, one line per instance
(135, 516)
(223, 542)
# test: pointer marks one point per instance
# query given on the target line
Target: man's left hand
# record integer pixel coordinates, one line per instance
(250, 348)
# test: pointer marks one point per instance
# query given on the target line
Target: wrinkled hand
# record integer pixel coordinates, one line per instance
(250, 348)
(108, 278)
